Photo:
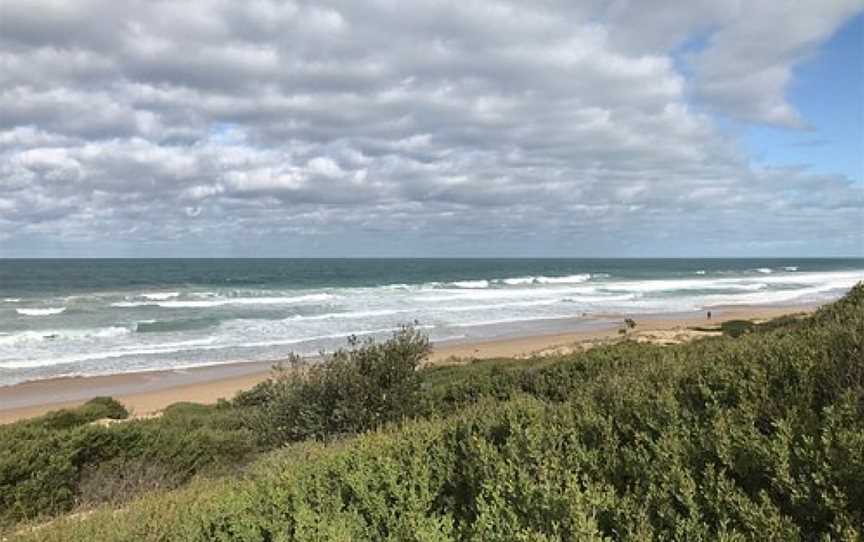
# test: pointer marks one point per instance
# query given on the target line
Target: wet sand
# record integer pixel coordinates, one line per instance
(146, 393)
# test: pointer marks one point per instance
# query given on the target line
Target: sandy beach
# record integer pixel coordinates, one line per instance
(147, 393)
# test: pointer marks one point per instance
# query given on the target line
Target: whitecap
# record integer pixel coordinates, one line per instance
(569, 279)
(791, 268)
(160, 296)
(765, 270)
(348, 314)
(50, 311)
(12, 300)
(700, 272)
(31, 336)
(470, 284)
(515, 281)
(541, 279)
(309, 298)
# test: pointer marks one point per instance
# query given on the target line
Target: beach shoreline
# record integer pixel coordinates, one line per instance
(146, 393)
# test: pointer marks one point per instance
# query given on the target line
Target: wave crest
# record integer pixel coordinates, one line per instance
(50, 311)
(62, 334)
(187, 304)
(160, 296)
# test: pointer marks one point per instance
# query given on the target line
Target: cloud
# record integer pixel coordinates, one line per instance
(545, 127)
(748, 63)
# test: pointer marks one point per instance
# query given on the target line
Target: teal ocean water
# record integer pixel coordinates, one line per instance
(88, 317)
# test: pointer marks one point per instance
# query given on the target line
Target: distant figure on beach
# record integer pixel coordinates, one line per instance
(709, 315)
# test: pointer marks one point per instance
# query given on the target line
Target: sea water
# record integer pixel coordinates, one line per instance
(90, 317)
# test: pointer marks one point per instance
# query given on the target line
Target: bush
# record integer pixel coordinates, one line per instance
(349, 391)
(51, 463)
(95, 409)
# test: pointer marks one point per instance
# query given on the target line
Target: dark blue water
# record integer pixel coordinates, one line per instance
(61, 317)
(34, 277)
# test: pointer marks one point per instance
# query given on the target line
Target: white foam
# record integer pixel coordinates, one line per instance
(112, 354)
(203, 294)
(22, 337)
(841, 278)
(470, 284)
(765, 270)
(348, 315)
(31, 336)
(569, 279)
(187, 346)
(700, 272)
(160, 296)
(657, 286)
(200, 304)
(434, 296)
(599, 299)
(185, 304)
(791, 268)
(515, 281)
(12, 300)
(772, 297)
(41, 312)
(477, 308)
(541, 279)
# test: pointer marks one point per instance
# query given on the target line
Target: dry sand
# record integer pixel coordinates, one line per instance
(149, 392)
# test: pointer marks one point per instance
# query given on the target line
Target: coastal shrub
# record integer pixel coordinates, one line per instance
(52, 463)
(95, 409)
(755, 438)
(352, 390)
(518, 470)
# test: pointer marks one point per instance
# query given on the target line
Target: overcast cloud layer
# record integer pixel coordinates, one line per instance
(408, 128)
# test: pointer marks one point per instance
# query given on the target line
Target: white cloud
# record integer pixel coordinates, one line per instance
(747, 65)
(449, 121)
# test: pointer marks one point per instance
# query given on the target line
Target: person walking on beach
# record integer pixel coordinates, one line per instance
(709, 315)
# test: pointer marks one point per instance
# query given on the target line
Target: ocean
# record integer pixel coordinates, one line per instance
(93, 317)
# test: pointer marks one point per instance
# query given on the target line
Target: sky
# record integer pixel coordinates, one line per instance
(470, 128)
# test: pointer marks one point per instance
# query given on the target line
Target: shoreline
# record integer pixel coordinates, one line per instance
(147, 393)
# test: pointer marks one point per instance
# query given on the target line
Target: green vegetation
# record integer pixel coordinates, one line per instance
(759, 437)
(52, 463)
(354, 390)
(95, 409)
(736, 328)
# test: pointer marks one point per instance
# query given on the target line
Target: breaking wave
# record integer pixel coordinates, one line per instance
(201, 304)
(50, 311)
